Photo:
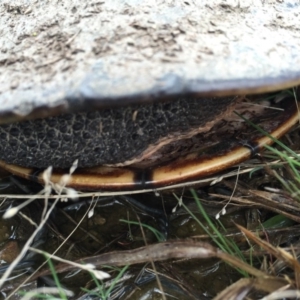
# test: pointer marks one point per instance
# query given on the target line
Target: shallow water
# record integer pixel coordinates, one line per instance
(114, 224)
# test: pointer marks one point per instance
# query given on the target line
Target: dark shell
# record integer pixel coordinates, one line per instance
(197, 167)
(59, 56)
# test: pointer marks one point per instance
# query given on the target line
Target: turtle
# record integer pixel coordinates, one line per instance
(129, 89)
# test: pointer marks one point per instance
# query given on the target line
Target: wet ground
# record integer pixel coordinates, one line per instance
(90, 227)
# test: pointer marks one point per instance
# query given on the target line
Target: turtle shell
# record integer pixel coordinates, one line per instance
(61, 56)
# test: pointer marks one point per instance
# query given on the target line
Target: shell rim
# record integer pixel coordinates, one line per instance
(73, 102)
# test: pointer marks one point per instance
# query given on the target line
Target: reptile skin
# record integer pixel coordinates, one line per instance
(107, 136)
